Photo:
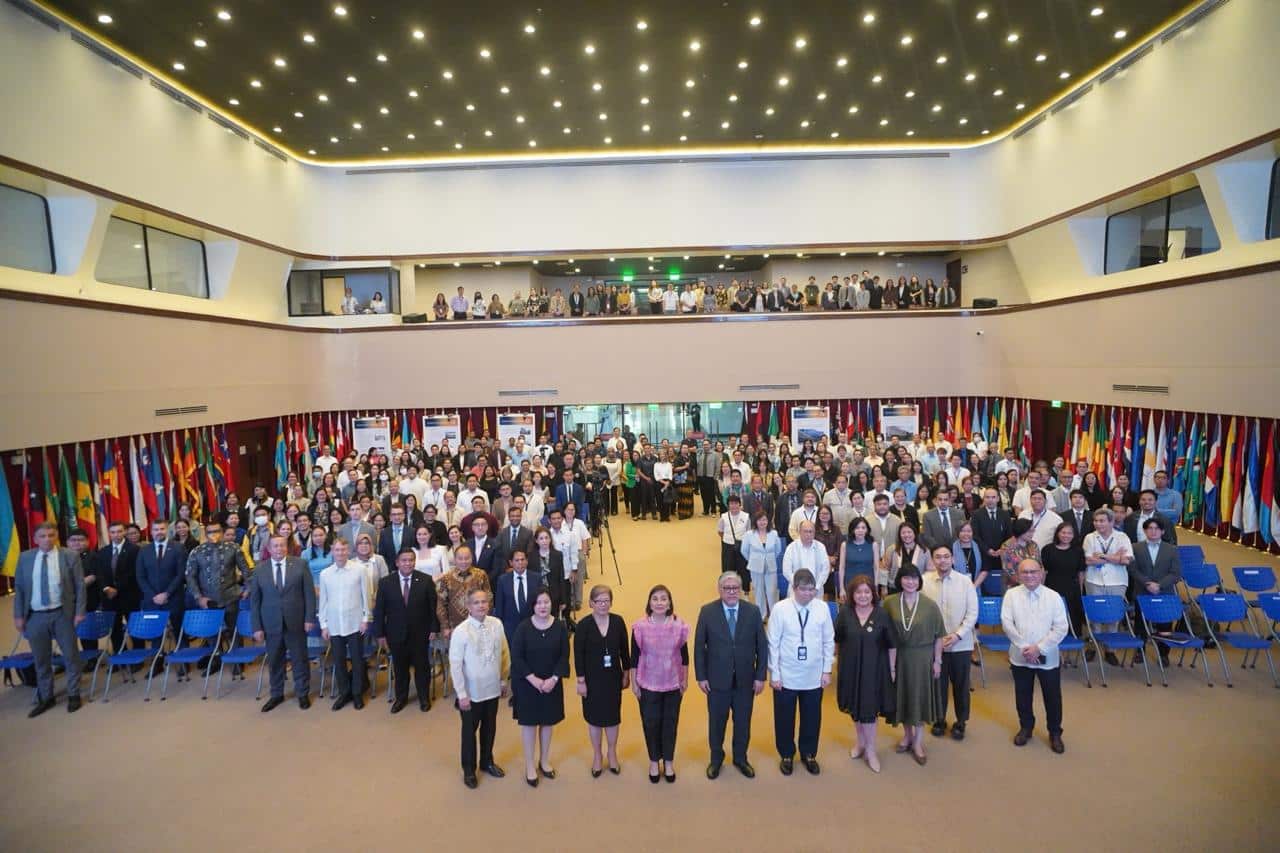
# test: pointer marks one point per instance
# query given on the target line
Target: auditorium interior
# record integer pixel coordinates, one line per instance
(229, 232)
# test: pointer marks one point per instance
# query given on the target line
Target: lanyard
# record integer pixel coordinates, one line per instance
(803, 622)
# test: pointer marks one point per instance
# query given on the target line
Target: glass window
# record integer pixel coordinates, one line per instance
(1273, 203)
(306, 288)
(1171, 228)
(314, 293)
(1191, 230)
(124, 255)
(26, 240)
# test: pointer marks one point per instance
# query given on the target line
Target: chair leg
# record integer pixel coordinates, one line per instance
(982, 667)
(1164, 679)
(151, 674)
(110, 668)
(1102, 665)
(209, 671)
(261, 669)
(164, 683)
(217, 686)
(1226, 670)
(1084, 662)
(1146, 668)
(93, 682)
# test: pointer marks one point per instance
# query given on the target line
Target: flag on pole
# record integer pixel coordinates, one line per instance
(152, 480)
(1252, 483)
(312, 439)
(224, 456)
(95, 479)
(29, 502)
(1193, 479)
(282, 456)
(165, 491)
(140, 515)
(1148, 479)
(1139, 452)
(1213, 476)
(1162, 445)
(1178, 476)
(51, 502)
(1269, 523)
(86, 514)
(67, 489)
(1227, 493)
(191, 474)
(9, 545)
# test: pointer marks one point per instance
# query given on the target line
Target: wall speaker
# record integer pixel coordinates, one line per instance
(984, 302)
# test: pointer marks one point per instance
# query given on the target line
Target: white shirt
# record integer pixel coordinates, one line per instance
(534, 509)
(1107, 574)
(669, 300)
(416, 487)
(742, 468)
(1004, 466)
(614, 470)
(1043, 526)
(580, 530)
(479, 659)
(344, 599)
(325, 463)
(957, 598)
(55, 581)
(467, 495)
(1022, 499)
(688, 300)
(814, 558)
(786, 637)
(662, 470)
(802, 513)
(733, 528)
(567, 542)
(955, 476)
(350, 305)
(375, 569)
(431, 496)
(1036, 618)
(433, 564)
(841, 508)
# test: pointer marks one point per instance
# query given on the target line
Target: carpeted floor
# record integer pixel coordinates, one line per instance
(1184, 768)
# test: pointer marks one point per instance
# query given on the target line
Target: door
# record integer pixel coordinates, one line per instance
(954, 270)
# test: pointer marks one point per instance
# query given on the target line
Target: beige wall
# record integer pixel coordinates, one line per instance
(991, 273)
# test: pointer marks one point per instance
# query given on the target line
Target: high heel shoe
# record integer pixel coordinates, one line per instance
(875, 768)
(547, 774)
(670, 777)
(615, 770)
(532, 783)
(902, 747)
(856, 753)
(595, 774)
(920, 759)
(655, 778)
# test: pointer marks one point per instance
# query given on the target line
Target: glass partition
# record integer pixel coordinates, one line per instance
(26, 240)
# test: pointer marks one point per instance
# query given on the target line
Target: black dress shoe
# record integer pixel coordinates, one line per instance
(532, 783)
(470, 780)
(745, 768)
(615, 770)
(398, 706)
(495, 771)
(811, 764)
(424, 706)
(73, 704)
(547, 774)
(40, 708)
(304, 702)
(784, 765)
(272, 703)
(1021, 738)
(957, 731)
(670, 777)
(595, 774)
(1056, 744)
(713, 770)
(341, 702)
(655, 778)
(939, 729)
(358, 702)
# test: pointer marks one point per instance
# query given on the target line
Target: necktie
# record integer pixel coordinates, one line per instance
(514, 531)
(159, 552)
(946, 522)
(115, 557)
(992, 513)
(1079, 519)
(405, 579)
(279, 576)
(396, 536)
(45, 592)
(520, 593)
(733, 621)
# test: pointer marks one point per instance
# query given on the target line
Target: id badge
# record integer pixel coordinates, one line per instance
(608, 661)
(802, 652)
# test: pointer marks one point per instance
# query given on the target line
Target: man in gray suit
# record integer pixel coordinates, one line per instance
(1155, 569)
(730, 660)
(282, 606)
(48, 602)
(941, 524)
(356, 526)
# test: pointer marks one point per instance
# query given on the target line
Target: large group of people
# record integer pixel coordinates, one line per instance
(861, 292)
(858, 561)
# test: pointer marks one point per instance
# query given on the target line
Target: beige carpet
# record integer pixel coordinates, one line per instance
(1183, 768)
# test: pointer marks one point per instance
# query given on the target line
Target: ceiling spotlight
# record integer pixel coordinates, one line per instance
(519, 119)
(438, 122)
(340, 11)
(608, 140)
(355, 125)
(1011, 38)
(986, 131)
(297, 114)
(695, 45)
(883, 122)
(1096, 11)
(801, 43)
(869, 18)
(685, 113)
(742, 64)
(651, 257)
(311, 151)
(877, 78)
(755, 21)
(557, 104)
(200, 43)
(333, 139)
(308, 38)
(766, 254)
(644, 67)
(385, 148)
(911, 93)
(842, 62)
(642, 25)
(279, 62)
(277, 129)
(906, 40)
(589, 49)
(603, 116)
(998, 92)
(457, 263)
(447, 74)
(104, 18)
(970, 77)
(224, 15)
(733, 98)
(853, 110)
(545, 71)
(488, 132)
(178, 66)
(568, 130)
(1020, 106)
(880, 253)
(457, 146)
(835, 134)
(506, 90)
(644, 102)
(597, 86)
(1121, 33)
(351, 78)
(533, 143)
(1064, 75)
(721, 266)
(724, 125)
(410, 136)
(783, 81)
(419, 35)
(941, 60)
(964, 121)
(822, 96)
(471, 108)
(484, 53)
(322, 97)
(768, 111)
(684, 138)
(804, 123)
(690, 83)
(235, 102)
(644, 128)
(530, 29)
(937, 108)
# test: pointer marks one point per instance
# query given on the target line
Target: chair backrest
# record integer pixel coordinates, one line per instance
(244, 623)
(989, 610)
(1269, 602)
(96, 625)
(835, 610)
(1191, 555)
(1104, 608)
(1202, 576)
(315, 631)
(202, 624)
(148, 624)
(1255, 578)
(1160, 608)
(1226, 607)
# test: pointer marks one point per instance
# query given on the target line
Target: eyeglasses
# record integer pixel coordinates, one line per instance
(731, 588)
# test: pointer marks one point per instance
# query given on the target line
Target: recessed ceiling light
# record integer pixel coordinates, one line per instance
(458, 146)
(937, 108)
(410, 136)
(842, 254)
(644, 102)
(297, 114)
(484, 53)
(1011, 38)
(1121, 33)
(822, 96)
(877, 78)
(883, 122)
(906, 40)
(439, 122)
(458, 263)
(200, 43)
(684, 138)
(311, 151)
(721, 266)
(766, 254)
(597, 86)
(385, 148)
(279, 62)
(768, 111)
(842, 62)
(603, 116)
(643, 67)
(941, 60)
(783, 81)
(685, 113)
(382, 57)
(340, 11)
(880, 253)
(804, 123)
(519, 119)
(333, 139)
(982, 15)
(801, 43)
(224, 15)
(1064, 75)
(322, 98)
(588, 48)
(471, 108)
(695, 45)
(447, 74)
(545, 71)
(690, 83)
(277, 129)
(964, 121)
(869, 18)
(384, 110)
(742, 64)
(351, 78)
(104, 18)
(835, 134)
(488, 132)
(733, 98)
(419, 35)
(1095, 11)
(530, 29)
(568, 130)
(644, 128)
(355, 125)
(178, 66)
(235, 102)
(308, 38)
(557, 104)
(755, 21)
(533, 143)
(970, 77)
(1020, 106)
(911, 93)
(506, 90)
(985, 131)
(998, 92)
(724, 125)
(608, 140)
(853, 110)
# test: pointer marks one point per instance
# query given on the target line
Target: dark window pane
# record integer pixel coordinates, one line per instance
(1191, 230)
(305, 290)
(25, 242)
(1273, 205)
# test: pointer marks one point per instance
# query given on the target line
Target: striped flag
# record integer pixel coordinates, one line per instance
(1194, 479)
(135, 479)
(9, 546)
(1252, 477)
(86, 514)
(1213, 476)
(1269, 516)
(1228, 491)
(282, 456)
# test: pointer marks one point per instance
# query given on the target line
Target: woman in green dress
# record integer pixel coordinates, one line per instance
(918, 630)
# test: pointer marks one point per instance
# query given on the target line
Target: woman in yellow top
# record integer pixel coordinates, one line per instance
(624, 301)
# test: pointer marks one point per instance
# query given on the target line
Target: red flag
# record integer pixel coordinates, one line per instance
(115, 497)
(28, 499)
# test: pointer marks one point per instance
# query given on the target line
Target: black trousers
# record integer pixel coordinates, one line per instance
(628, 496)
(418, 656)
(296, 643)
(481, 718)
(785, 703)
(710, 494)
(731, 560)
(350, 647)
(647, 499)
(1024, 679)
(659, 716)
(666, 501)
(955, 672)
(737, 700)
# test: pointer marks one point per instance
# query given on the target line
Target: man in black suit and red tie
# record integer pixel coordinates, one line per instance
(991, 527)
(404, 621)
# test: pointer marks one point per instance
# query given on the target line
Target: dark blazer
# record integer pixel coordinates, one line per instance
(24, 581)
(909, 514)
(388, 503)
(990, 535)
(577, 497)
(1136, 536)
(765, 504)
(504, 600)
(876, 300)
(934, 533)
(387, 545)
(400, 623)
(1166, 571)
(123, 579)
(1083, 529)
(486, 558)
(725, 661)
(524, 542)
(555, 576)
(274, 610)
(783, 508)
(166, 575)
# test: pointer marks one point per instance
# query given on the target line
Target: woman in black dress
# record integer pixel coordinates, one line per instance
(539, 659)
(864, 690)
(1064, 570)
(602, 659)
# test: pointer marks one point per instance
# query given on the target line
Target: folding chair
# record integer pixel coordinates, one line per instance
(315, 653)
(1201, 578)
(96, 626)
(1226, 609)
(241, 655)
(1255, 579)
(196, 625)
(989, 615)
(1190, 555)
(17, 660)
(1155, 609)
(1072, 643)
(142, 627)
(1104, 609)
(1269, 603)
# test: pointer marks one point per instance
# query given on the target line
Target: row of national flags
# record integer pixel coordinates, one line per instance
(137, 479)
(1224, 466)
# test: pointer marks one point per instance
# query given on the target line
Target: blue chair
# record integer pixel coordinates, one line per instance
(1255, 579)
(1269, 604)
(196, 625)
(1105, 609)
(314, 653)
(1201, 578)
(1158, 609)
(143, 627)
(17, 660)
(1073, 644)
(243, 654)
(96, 626)
(1226, 609)
(989, 615)
(1191, 555)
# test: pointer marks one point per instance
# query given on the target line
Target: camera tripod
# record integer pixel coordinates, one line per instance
(602, 531)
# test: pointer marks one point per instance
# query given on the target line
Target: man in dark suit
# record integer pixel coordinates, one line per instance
(114, 566)
(876, 300)
(395, 536)
(941, 524)
(788, 502)
(1079, 516)
(485, 549)
(282, 606)
(730, 660)
(990, 530)
(1135, 524)
(161, 572)
(392, 498)
(405, 623)
(569, 492)
(512, 539)
(1155, 569)
(48, 604)
(514, 593)
(758, 500)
